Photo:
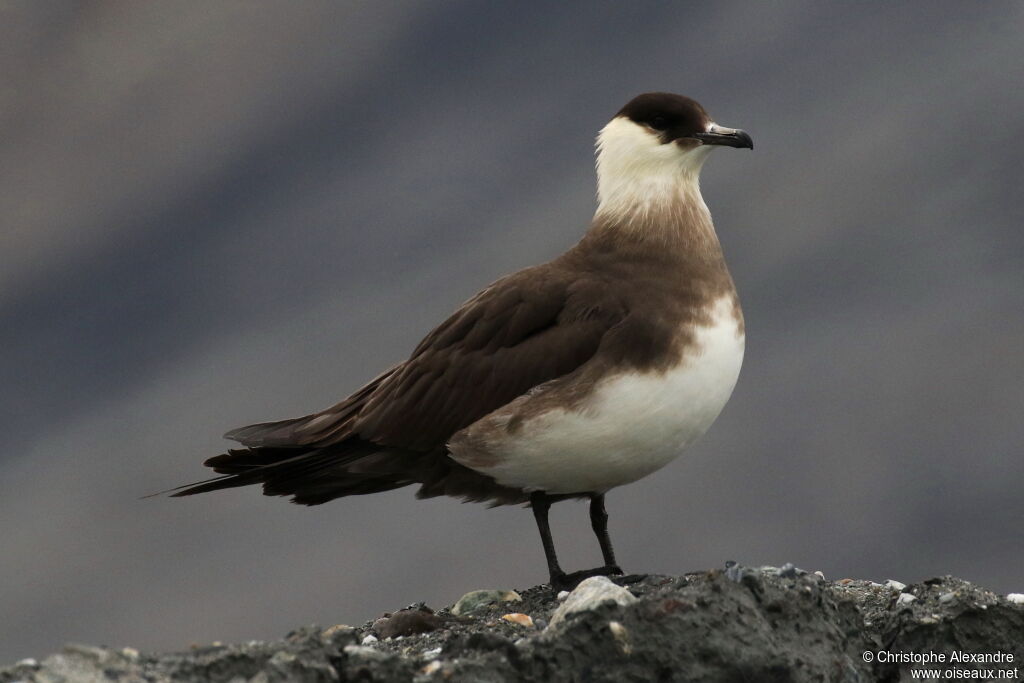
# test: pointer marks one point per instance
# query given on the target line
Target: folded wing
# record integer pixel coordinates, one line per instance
(524, 330)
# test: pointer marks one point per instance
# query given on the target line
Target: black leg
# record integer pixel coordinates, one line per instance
(540, 503)
(599, 522)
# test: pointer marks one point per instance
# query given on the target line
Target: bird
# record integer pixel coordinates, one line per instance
(560, 381)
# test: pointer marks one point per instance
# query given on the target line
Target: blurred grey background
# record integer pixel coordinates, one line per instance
(221, 213)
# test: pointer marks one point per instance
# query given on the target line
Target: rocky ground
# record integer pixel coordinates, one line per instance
(736, 624)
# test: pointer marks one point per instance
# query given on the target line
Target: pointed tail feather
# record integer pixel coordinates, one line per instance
(294, 472)
(195, 484)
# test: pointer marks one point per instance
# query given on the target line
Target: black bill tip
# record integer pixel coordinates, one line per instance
(727, 137)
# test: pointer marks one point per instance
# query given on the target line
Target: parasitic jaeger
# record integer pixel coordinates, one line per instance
(563, 380)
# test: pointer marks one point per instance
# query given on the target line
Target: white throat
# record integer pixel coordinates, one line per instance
(638, 177)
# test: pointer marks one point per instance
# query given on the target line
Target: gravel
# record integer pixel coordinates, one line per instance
(737, 624)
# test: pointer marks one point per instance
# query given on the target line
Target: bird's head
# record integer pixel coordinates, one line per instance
(654, 148)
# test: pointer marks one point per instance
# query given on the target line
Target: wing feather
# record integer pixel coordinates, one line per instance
(522, 331)
(525, 329)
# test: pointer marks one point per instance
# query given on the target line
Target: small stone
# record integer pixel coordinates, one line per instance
(479, 601)
(905, 599)
(895, 585)
(519, 618)
(97, 654)
(431, 667)
(788, 571)
(621, 635)
(406, 622)
(820, 574)
(947, 597)
(284, 658)
(363, 651)
(562, 595)
(735, 572)
(28, 661)
(1015, 598)
(591, 593)
(367, 640)
(332, 631)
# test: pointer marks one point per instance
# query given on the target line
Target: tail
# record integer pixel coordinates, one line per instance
(309, 476)
(314, 458)
(317, 458)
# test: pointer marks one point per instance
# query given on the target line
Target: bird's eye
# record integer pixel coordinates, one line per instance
(659, 122)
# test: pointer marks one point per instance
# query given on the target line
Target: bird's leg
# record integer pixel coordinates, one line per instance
(541, 503)
(599, 522)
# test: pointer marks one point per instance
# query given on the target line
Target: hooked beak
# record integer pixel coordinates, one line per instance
(730, 137)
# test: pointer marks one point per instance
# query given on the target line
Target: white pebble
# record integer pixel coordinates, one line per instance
(28, 661)
(895, 585)
(591, 592)
(432, 667)
(621, 635)
(562, 595)
(905, 599)
(1015, 598)
(369, 639)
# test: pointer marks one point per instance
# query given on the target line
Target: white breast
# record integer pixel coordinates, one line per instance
(632, 425)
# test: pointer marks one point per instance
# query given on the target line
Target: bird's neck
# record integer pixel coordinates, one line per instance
(659, 206)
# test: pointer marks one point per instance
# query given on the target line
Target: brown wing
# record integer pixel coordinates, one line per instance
(324, 427)
(525, 329)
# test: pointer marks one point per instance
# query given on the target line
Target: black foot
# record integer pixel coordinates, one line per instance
(566, 582)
